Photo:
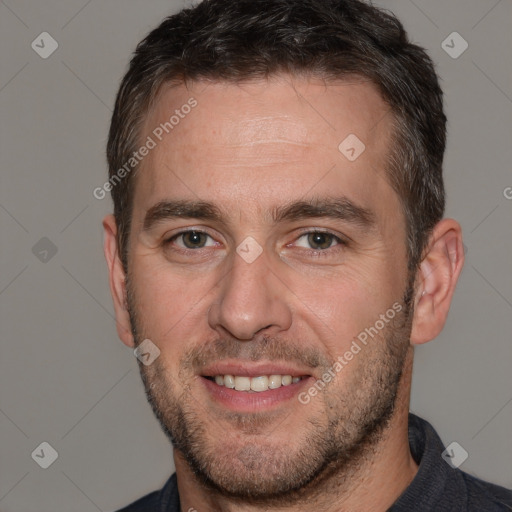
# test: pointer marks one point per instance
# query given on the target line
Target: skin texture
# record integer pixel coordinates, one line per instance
(249, 149)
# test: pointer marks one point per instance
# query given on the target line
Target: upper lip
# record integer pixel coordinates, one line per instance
(252, 369)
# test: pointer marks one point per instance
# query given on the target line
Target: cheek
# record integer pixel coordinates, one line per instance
(170, 306)
(340, 307)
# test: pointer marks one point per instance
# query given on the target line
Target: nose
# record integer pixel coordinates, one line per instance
(251, 299)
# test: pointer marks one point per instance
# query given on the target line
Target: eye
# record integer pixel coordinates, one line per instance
(191, 239)
(319, 240)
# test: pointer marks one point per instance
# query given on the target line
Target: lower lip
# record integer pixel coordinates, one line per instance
(243, 401)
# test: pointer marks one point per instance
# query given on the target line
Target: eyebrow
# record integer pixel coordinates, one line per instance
(337, 208)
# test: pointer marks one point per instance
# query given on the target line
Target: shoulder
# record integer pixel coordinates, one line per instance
(485, 495)
(165, 500)
(439, 485)
(148, 502)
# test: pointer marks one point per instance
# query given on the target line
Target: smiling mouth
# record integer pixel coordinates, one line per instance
(254, 384)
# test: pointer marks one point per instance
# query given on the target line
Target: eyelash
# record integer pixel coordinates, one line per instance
(316, 252)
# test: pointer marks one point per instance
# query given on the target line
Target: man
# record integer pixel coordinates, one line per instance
(277, 249)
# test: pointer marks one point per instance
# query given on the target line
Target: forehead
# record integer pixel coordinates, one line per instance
(241, 142)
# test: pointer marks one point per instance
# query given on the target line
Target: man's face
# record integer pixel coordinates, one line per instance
(267, 288)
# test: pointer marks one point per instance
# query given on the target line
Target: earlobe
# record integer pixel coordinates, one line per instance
(436, 281)
(117, 280)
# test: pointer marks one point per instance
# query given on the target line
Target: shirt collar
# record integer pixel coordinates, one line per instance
(436, 486)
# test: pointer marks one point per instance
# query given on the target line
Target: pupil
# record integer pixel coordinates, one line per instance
(320, 239)
(193, 238)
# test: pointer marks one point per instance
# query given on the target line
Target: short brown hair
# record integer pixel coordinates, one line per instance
(226, 40)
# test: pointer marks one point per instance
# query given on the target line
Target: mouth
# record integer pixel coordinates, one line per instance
(252, 388)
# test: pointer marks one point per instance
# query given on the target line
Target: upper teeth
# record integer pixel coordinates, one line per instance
(262, 383)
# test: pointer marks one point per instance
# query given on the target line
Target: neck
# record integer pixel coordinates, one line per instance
(373, 486)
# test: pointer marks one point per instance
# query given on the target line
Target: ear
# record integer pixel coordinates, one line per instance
(436, 280)
(117, 280)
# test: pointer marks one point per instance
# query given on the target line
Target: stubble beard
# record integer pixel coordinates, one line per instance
(327, 447)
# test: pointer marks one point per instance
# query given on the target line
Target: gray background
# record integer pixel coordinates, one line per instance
(66, 379)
